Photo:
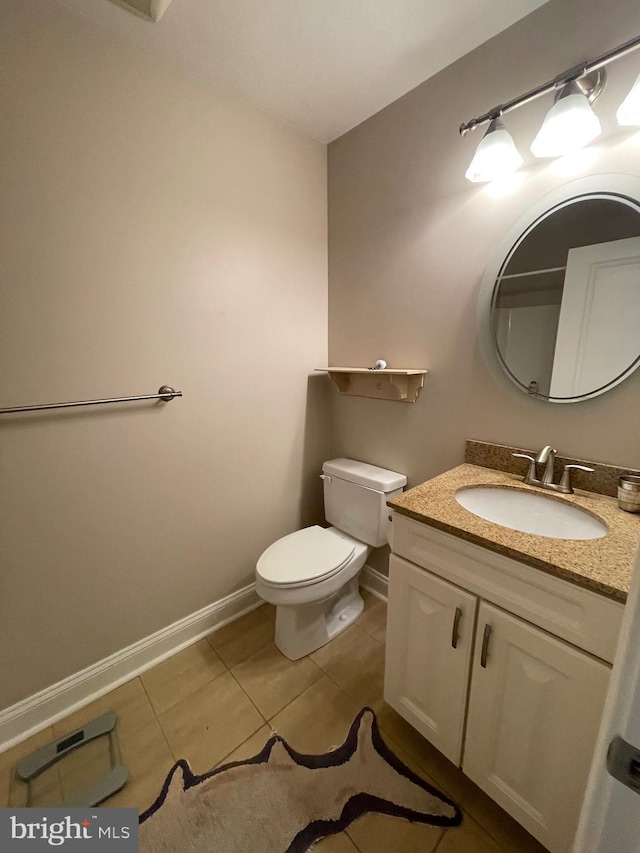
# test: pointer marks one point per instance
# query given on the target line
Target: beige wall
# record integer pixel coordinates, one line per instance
(153, 231)
(409, 239)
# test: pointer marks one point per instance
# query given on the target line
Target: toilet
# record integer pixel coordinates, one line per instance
(312, 575)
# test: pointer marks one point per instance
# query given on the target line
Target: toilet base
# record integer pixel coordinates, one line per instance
(303, 628)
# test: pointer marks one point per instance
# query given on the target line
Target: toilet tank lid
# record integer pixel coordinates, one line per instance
(364, 474)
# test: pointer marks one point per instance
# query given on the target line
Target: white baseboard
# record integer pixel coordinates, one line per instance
(374, 582)
(35, 713)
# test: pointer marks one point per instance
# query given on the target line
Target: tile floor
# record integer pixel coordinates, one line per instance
(220, 699)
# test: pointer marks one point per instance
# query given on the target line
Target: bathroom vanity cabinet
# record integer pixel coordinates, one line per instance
(503, 667)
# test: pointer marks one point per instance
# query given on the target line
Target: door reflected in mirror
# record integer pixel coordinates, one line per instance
(565, 309)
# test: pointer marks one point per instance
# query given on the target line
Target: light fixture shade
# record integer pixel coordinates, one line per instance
(569, 125)
(628, 113)
(496, 155)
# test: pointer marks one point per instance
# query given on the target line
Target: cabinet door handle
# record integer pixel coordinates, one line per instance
(455, 631)
(484, 654)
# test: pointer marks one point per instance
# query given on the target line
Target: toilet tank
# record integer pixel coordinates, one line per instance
(355, 498)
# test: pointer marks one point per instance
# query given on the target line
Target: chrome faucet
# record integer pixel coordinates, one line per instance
(547, 457)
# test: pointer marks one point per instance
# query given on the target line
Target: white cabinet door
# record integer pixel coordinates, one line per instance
(430, 628)
(534, 710)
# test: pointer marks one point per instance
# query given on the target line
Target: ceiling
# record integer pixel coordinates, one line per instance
(323, 66)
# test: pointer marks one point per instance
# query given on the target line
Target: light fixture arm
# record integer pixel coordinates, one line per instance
(572, 74)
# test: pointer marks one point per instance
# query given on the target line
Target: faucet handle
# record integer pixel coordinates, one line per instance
(532, 473)
(565, 481)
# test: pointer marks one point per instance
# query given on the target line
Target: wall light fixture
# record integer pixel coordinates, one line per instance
(495, 156)
(569, 125)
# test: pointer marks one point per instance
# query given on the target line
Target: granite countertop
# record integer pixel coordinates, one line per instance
(603, 565)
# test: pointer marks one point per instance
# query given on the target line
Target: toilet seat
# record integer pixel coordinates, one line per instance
(305, 557)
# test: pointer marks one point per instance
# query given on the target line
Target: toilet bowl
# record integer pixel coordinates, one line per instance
(312, 575)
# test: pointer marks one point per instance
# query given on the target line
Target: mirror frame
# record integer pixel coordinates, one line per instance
(626, 186)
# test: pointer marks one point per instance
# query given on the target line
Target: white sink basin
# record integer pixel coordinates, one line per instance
(531, 512)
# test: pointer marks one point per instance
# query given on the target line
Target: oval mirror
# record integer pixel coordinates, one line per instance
(564, 301)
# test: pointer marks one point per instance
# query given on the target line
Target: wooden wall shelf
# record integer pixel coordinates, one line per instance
(390, 384)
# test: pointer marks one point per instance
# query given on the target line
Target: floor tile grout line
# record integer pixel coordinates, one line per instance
(309, 688)
(166, 739)
(346, 692)
(264, 722)
(339, 686)
(298, 695)
(186, 695)
(295, 698)
(346, 832)
(250, 654)
(439, 841)
(191, 692)
(146, 693)
(370, 633)
(364, 631)
(265, 620)
(223, 760)
(159, 721)
(262, 716)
